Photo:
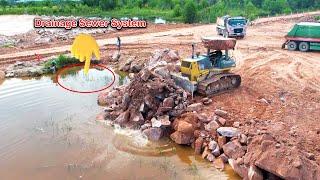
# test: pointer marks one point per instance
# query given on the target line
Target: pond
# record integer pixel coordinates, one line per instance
(47, 132)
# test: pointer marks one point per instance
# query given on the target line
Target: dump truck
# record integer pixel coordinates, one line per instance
(231, 26)
(303, 36)
(209, 74)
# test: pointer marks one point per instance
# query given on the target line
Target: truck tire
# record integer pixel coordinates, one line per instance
(218, 31)
(292, 46)
(225, 34)
(304, 46)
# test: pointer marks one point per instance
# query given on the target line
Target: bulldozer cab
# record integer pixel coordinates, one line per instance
(193, 68)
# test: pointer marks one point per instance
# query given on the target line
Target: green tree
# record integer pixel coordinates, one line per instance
(108, 4)
(204, 4)
(91, 2)
(3, 3)
(276, 6)
(190, 12)
(177, 11)
(251, 11)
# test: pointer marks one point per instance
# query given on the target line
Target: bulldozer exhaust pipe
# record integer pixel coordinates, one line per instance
(192, 51)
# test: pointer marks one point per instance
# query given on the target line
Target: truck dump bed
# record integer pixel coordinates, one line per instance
(219, 43)
(305, 30)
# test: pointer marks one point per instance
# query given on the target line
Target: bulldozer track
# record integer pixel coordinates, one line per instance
(220, 83)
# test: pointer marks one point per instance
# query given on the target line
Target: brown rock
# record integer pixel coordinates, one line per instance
(213, 125)
(218, 164)
(216, 151)
(182, 138)
(168, 102)
(222, 141)
(102, 98)
(185, 127)
(145, 74)
(236, 124)
(243, 139)
(233, 150)
(125, 101)
(204, 118)
(221, 120)
(205, 153)
(212, 145)
(198, 145)
(224, 158)
(254, 173)
(194, 107)
(122, 118)
(241, 170)
(221, 113)
(165, 122)
(137, 117)
(206, 101)
(210, 157)
(153, 134)
(173, 55)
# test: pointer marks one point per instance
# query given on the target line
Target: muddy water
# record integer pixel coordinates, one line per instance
(47, 132)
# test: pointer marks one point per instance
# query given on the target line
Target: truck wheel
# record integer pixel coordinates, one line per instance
(304, 46)
(218, 31)
(292, 46)
(225, 34)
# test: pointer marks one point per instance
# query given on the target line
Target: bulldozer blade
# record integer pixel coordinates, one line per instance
(184, 82)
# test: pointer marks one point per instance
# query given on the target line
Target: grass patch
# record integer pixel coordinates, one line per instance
(60, 62)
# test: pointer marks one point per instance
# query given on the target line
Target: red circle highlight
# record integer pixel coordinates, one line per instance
(84, 92)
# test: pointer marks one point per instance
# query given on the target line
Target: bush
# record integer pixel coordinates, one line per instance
(190, 12)
(60, 61)
(177, 11)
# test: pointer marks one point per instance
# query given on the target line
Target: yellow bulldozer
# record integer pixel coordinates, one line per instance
(210, 73)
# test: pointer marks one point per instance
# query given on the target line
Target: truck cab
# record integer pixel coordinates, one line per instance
(232, 26)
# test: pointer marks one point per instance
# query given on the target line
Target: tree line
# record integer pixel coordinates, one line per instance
(189, 11)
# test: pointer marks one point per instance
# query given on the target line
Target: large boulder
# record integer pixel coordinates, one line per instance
(228, 131)
(182, 138)
(212, 125)
(153, 134)
(233, 149)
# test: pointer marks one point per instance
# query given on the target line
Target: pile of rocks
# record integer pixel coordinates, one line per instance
(150, 102)
(209, 137)
(131, 65)
(24, 69)
(164, 57)
(8, 41)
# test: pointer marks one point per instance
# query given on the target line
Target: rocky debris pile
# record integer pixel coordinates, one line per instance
(8, 41)
(163, 57)
(48, 35)
(131, 65)
(160, 58)
(308, 19)
(270, 152)
(255, 156)
(24, 69)
(150, 102)
(208, 136)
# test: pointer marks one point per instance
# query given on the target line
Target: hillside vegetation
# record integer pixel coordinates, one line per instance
(188, 11)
